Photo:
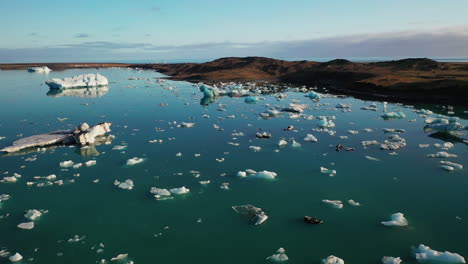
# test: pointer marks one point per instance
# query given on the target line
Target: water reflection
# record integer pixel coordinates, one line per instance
(80, 92)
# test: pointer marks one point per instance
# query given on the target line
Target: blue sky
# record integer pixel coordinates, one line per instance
(177, 29)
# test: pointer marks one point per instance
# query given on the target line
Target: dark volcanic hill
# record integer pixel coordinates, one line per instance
(419, 79)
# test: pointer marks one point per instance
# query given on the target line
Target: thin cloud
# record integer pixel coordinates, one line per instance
(82, 35)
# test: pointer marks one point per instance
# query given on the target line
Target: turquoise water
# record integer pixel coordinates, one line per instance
(132, 221)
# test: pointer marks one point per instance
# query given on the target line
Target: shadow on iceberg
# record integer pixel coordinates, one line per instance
(91, 92)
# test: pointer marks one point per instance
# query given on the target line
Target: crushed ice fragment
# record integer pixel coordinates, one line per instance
(391, 260)
(332, 260)
(335, 203)
(397, 219)
(280, 256)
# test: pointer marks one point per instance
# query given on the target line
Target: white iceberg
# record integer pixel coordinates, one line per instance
(397, 219)
(83, 80)
(181, 190)
(311, 138)
(126, 185)
(280, 256)
(451, 164)
(120, 257)
(328, 171)
(354, 203)
(256, 214)
(33, 214)
(41, 69)
(295, 144)
(134, 161)
(27, 225)
(391, 260)
(16, 257)
(390, 115)
(282, 143)
(335, 203)
(254, 174)
(442, 154)
(332, 260)
(424, 253)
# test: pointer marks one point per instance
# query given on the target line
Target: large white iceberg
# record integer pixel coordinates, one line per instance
(424, 253)
(397, 219)
(42, 69)
(83, 80)
(332, 260)
(254, 174)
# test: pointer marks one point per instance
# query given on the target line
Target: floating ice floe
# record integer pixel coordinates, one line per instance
(372, 158)
(254, 174)
(295, 144)
(27, 225)
(353, 203)
(187, 125)
(326, 123)
(134, 161)
(397, 219)
(16, 257)
(395, 142)
(295, 108)
(41, 69)
(443, 125)
(82, 135)
(256, 215)
(180, 190)
(280, 256)
(251, 99)
(224, 186)
(335, 203)
(126, 185)
(33, 214)
(332, 260)
(282, 143)
(160, 194)
(327, 171)
(83, 80)
(424, 254)
(391, 260)
(424, 112)
(310, 138)
(442, 154)
(450, 165)
(120, 257)
(90, 163)
(343, 106)
(369, 142)
(255, 148)
(445, 146)
(390, 115)
(66, 164)
(209, 91)
(313, 95)
(263, 135)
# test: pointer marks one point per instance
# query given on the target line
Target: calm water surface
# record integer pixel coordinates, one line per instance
(132, 221)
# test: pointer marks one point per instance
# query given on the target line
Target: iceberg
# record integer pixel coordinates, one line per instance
(332, 260)
(181, 190)
(33, 214)
(134, 160)
(254, 174)
(282, 143)
(16, 257)
(82, 135)
(311, 138)
(295, 108)
(313, 95)
(120, 257)
(209, 91)
(295, 144)
(443, 125)
(395, 142)
(397, 219)
(41, 69)
(424, 253)
(335, 203)
(391, 260)
(326, 123)
(451, 164)
(354, 203)
(126, 185)
(327, 171)
(257, 216)
(83, 80)
(442, 154)
(27, 225)
(280, 256)
(251, 99)
(390, 115)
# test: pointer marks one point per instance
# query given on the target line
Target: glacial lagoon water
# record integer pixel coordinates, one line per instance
(200, 226)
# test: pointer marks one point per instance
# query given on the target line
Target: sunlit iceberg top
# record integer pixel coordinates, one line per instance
(83, 80)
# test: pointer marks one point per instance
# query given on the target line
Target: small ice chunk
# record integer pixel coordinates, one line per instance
(372, 158)
(159, 192)
(134, 161)
(280, 256)
(282, 143)
(242, 174)
(255, 148)
(335, 203)
(181, 190)
(390, 115)
(332, 260)
(311, 138)
(90, 163)
(442, 154)
(16, 257)
(369, 142)
(397, 219)
(119, 257)
(295, 144)
(66, 164)
(187, 125)
(391, 260)
(353, 203)
(328, 171)
(27, 225)
(33, 214)
(126, 185)
(451, 164)
(424, 253)
(41, 69)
